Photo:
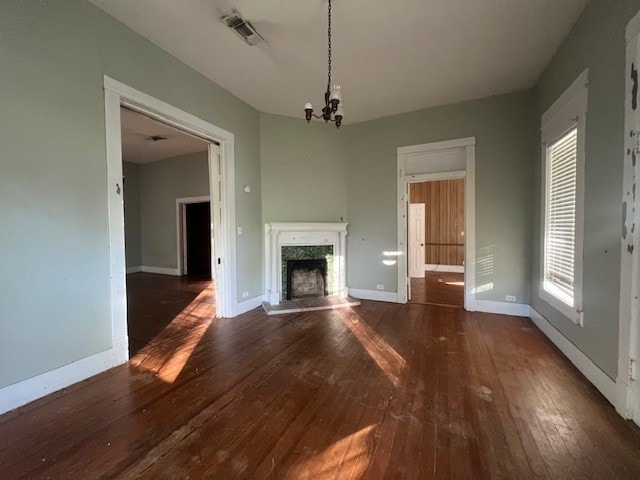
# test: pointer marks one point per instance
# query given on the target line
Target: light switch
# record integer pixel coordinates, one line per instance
(239, 230)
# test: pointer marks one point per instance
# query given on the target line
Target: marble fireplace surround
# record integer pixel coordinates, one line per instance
(279, 234)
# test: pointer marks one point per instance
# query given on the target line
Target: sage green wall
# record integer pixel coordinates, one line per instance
(132, 225)
(304, 170)
(54, 228)
(502, 127)
(595, 42)
(161, 183)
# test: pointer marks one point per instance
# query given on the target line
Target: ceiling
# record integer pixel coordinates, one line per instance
(137, 148)
(389, 57)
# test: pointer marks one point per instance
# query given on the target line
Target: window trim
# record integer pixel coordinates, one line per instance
(567, 112)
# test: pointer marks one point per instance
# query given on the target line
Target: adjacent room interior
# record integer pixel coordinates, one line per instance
(168, 238)
(317, 240)
(436, 242)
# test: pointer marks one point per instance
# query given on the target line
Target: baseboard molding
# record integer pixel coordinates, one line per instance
(21, 393)
(597, 377)
(161, 270)
(377, 295)
(248, 305)
(429, 267)
(135, 269)
(502, 308)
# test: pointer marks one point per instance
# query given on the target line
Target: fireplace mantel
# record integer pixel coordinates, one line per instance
(279, 234)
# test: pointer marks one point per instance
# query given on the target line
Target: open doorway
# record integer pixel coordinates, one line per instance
(436, 242)
(168, 250)
(197, 239)
(221, 176)
(433, 162)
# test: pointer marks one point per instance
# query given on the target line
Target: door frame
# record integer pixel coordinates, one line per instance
(404, 154)
(627, 382)
(221, 191)
(181, 232)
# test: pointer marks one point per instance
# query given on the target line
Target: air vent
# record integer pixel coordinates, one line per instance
(244, 29)
(156, 138)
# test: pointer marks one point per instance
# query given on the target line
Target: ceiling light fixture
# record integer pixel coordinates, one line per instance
(332, 111)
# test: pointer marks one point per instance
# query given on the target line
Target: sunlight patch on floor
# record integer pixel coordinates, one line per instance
(167, 354)
(349, 454)
(387, 359)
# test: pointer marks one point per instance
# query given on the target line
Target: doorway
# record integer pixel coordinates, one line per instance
(433, 162)
(161, 164)
(198, 246)
(221, 191)
(436, 242)
(193, 223)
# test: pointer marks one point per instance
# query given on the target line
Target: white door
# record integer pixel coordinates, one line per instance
(416, 239)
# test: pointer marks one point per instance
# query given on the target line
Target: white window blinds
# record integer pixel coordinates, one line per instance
(560, 228)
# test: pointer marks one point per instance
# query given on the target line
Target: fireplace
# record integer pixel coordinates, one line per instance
(306, 278)
(298, 241)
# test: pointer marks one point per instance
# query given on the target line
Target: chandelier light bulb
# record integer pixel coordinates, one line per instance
(308, 106)
(335, 93)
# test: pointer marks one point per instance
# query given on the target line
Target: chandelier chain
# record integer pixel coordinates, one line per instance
(332, 110)
(329, 49)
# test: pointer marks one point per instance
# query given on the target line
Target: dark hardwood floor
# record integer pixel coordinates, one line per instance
(439, 288)
(154, 301)
(377, 391)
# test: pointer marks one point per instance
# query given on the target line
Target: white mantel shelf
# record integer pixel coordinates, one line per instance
(306, 227)
(279, 234)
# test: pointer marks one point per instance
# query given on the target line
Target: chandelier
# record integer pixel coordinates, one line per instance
(332, 110)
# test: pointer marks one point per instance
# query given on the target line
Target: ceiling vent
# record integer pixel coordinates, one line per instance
(244, 29)
(156, 138)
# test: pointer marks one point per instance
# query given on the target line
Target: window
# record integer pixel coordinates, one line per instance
(560, 228)
(563, 128)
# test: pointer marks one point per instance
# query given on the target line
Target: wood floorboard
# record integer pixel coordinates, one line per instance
(377, 391)
(439, 288)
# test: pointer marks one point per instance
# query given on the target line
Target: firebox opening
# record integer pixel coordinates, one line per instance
(306, 278)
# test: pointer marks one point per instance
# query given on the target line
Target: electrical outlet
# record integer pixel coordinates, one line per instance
(239, 230)
(380, 287)
(245, 294)
(510, 298)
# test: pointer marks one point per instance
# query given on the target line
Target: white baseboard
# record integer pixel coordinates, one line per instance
(429, 267)
(161, 270)
(503, 308)
(249, 305)
(135, 269)
(21, 393)
(377, 295)
(600, 380)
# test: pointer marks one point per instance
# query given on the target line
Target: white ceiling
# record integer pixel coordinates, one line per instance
(137, 148)
(389, 57)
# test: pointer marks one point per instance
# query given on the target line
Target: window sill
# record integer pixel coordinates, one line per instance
(570, 313)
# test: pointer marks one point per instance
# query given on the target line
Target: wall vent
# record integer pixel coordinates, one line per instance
(243, 28)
